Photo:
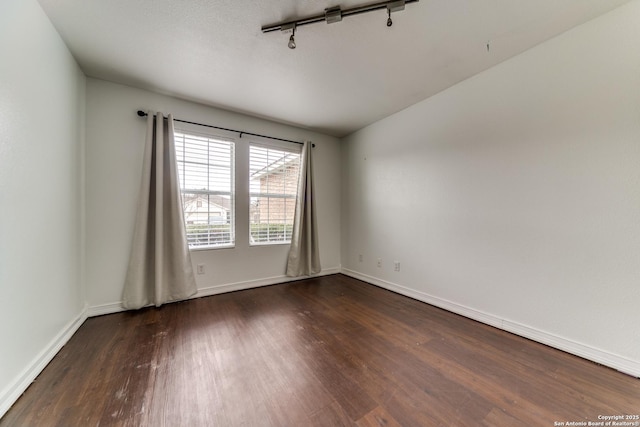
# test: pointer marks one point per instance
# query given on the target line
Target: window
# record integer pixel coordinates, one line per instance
(273, 185)
(206, 173)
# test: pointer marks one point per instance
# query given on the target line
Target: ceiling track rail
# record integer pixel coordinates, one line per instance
(329, 15)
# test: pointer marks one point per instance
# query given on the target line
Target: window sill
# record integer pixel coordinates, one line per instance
(210, 248)
(252, 245)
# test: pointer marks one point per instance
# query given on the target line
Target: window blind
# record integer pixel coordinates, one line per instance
(206, 169)
(273, 188)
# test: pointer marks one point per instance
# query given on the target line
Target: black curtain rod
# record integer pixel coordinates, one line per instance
(144, 114)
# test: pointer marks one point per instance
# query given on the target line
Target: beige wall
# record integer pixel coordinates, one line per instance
(514, 196)
(41, 143)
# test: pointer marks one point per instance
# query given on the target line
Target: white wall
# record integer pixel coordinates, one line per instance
(115, 139)
(514, 196)
(41, 137)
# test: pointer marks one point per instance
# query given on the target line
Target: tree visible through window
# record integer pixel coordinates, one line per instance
(205, 166)
(273, 187)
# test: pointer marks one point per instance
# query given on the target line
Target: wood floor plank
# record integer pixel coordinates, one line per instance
(329, 416)
(378, 417)
(328, 351)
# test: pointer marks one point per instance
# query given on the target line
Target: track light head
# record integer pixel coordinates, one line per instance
(394, 6)
(292, 40)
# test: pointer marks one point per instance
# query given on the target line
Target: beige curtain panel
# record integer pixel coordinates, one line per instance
(160, 268)
(304, 257)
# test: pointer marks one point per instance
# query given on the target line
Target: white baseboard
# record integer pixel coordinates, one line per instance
(116, 307)
(14, 390)
(622, 364)
(238, 286)
(99, 310)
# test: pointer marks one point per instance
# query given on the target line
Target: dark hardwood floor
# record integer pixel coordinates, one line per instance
(329, 351)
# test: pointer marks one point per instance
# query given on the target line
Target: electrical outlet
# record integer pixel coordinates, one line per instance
(396, 265)
(379, 263)
(360, 258)
(200, 268)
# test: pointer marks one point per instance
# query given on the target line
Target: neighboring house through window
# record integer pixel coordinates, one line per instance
(273, 188)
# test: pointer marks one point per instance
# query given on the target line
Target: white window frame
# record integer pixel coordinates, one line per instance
(212, 138)
(287, 221)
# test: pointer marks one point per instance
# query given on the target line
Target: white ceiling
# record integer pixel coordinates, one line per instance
(340, 78)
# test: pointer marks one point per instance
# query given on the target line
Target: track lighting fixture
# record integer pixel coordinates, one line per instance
(394, 6)
(292, 40)
(335, 14)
